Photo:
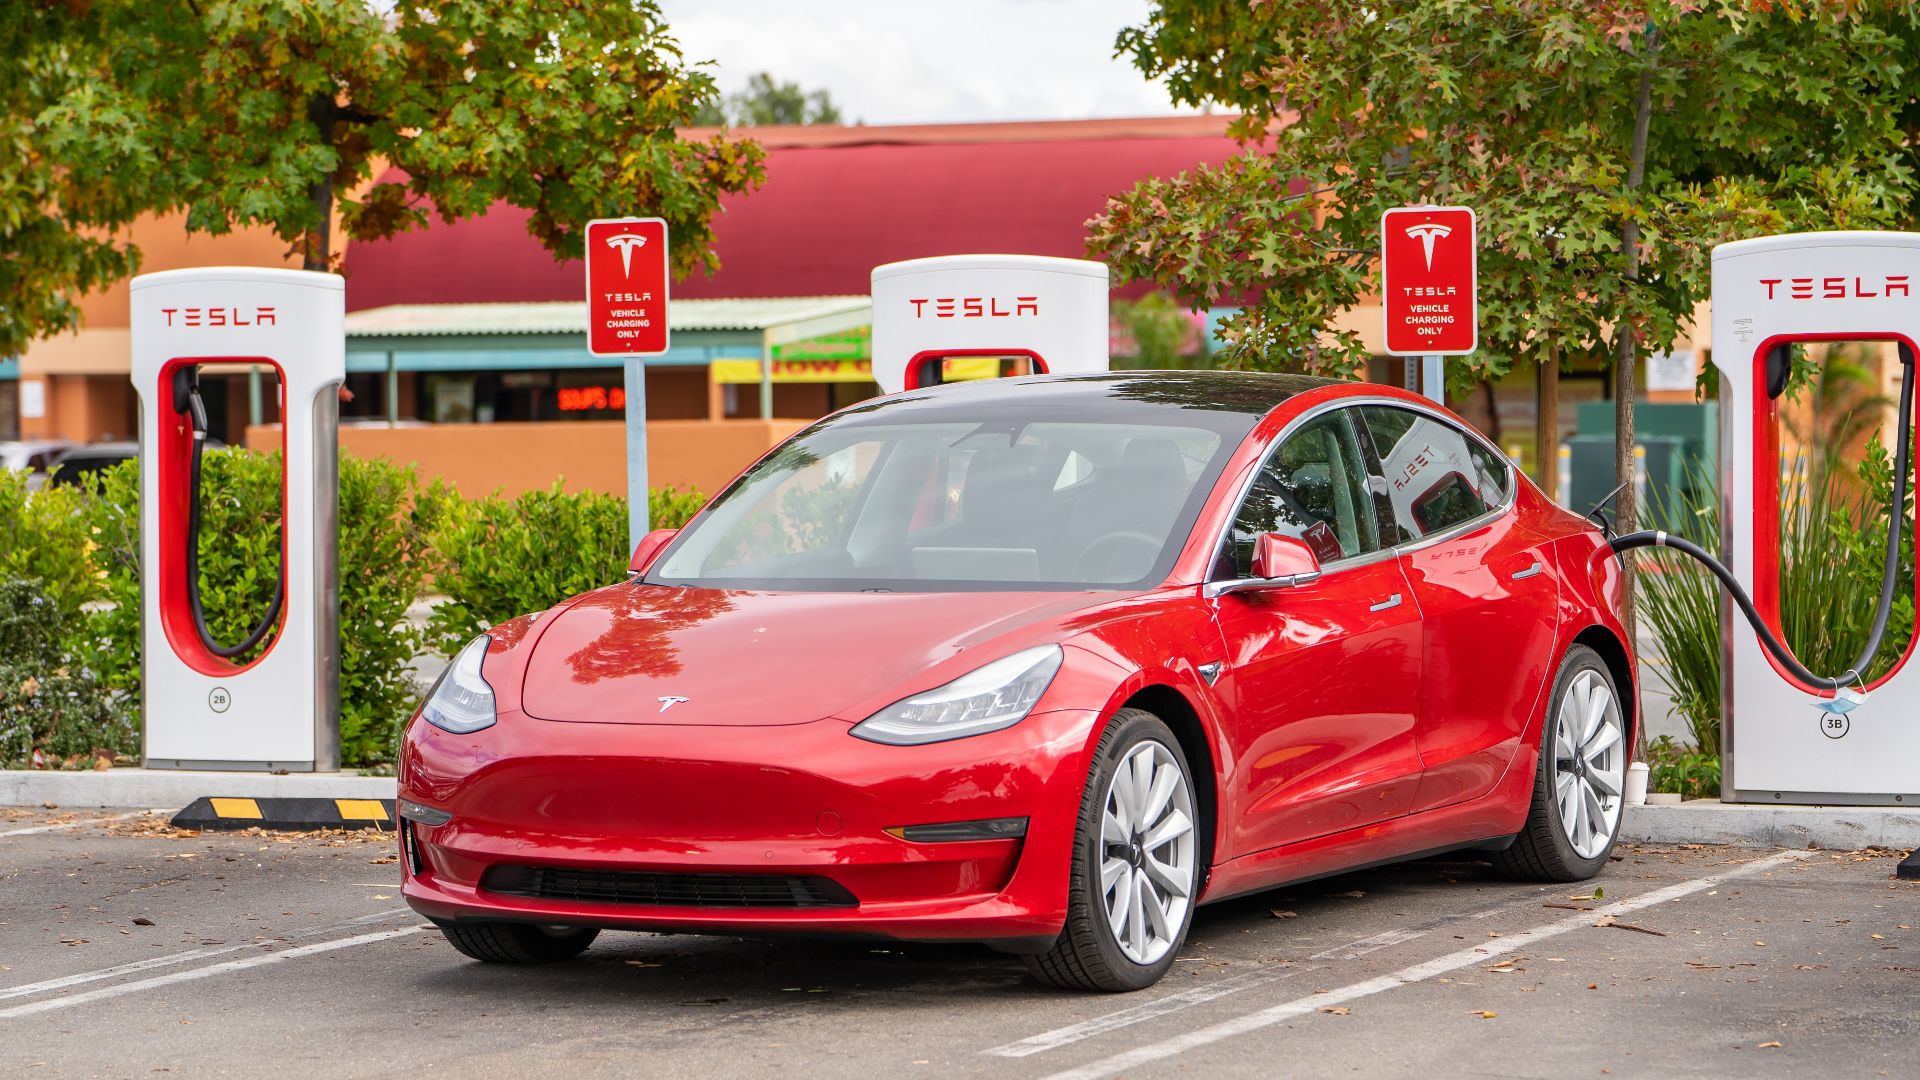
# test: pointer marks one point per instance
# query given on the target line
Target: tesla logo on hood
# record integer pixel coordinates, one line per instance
(668, 701)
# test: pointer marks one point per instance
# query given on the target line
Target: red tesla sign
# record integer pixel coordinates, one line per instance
(1429, 272)
(627, 287)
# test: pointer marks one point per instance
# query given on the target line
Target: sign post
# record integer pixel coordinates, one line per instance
(1429, 282)
(627, 287)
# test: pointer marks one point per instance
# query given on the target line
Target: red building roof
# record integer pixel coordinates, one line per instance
(836, 203)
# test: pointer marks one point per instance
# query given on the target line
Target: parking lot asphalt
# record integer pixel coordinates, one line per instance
(130, 949)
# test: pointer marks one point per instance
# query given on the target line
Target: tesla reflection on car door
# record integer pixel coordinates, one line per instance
(1487, 594)
(1322, 678)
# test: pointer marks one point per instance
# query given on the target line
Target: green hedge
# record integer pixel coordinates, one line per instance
(69, 574)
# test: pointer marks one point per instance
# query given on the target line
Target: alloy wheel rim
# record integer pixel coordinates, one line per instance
(1589, 764)
(1147, 852)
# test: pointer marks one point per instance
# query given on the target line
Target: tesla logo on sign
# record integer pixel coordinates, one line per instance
(1428, 280)
(1427, 234)
(625, 244)
(627, 287)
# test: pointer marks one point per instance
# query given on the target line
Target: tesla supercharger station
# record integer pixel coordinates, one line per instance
(1780, 744)
(281, 710)
(1032, 312)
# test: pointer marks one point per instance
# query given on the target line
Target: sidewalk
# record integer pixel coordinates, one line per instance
(170, 789)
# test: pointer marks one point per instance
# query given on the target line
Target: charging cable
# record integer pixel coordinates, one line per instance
(1855, 675)
(186, 399)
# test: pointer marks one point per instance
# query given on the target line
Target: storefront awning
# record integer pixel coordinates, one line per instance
(443, 337)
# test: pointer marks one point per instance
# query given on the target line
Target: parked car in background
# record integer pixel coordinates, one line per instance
(1043, 663)
(33, 457)
(80, 466)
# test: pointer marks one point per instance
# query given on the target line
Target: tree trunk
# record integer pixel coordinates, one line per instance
(1625, 348)
(1546, 443)
(1493, 414)
(316, 247)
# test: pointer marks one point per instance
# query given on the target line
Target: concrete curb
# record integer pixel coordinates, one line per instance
(1834, 828)
(144, 788)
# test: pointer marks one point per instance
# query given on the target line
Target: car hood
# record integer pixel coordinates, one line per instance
(651, 654)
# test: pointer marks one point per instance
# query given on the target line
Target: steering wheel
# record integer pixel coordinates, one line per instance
(1111, 544)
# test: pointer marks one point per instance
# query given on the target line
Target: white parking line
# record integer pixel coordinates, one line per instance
(29, 989)
(209, 971)
(1305, 1006)
(1214, 991)
(76, 824)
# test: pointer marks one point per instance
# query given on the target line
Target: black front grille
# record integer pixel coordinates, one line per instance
(668, 890)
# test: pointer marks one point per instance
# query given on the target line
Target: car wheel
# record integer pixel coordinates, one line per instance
(1136, 864)
(518, 943)
(1578, 787)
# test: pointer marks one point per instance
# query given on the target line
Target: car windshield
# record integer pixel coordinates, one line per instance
(949, 499)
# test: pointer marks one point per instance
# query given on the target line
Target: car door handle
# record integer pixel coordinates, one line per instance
(1390, 602)
(1522, 575)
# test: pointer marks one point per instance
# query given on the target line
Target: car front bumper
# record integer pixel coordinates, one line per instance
(696, 806)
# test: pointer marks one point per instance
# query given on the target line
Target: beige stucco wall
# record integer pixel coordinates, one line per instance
(590, 455)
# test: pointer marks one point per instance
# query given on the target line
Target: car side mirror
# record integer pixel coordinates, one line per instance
(649, 546)
(1284, 560)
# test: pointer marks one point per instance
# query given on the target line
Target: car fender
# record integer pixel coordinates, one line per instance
(1161, 649)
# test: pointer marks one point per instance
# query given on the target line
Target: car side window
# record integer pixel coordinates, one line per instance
(1311, 488)
(1435, 475)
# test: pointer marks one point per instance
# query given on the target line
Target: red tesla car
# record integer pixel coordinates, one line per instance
(1043, 663)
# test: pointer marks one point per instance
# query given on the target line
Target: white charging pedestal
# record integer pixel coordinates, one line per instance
(280, 711)
(1778, 745)
(1050, 313)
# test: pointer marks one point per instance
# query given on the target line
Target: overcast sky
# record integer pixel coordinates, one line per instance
(927, 61)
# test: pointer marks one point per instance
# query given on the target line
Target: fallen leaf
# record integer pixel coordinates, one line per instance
(142, 920)
(649, 963)
(1769, 1046)
(383, 860)
(1278, 914)
(1568, 907)
(1593, 986)
(1488, 1014)
(1351, 894)
(73, 941)
(1336, 1010)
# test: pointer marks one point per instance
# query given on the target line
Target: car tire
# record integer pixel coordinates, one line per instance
(518, 943)
(1154, 903)
(1574, 819)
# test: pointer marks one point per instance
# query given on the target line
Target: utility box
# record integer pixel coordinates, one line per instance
(1660, 475)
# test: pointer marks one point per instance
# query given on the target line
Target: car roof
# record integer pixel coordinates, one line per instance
(99, 451)
(1247, 392)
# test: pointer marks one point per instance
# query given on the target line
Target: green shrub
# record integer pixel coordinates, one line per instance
(500, 558)
(44, 537)
(52, 712)
(1683, 770)
(387, 519)
(1681, 601)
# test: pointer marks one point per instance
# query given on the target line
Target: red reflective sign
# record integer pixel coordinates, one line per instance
(1429, 273)
(627, 287)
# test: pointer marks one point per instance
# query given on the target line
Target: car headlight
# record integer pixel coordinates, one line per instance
(462, 701)
(989, 698)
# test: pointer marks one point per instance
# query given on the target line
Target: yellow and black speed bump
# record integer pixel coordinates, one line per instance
(289, 815)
